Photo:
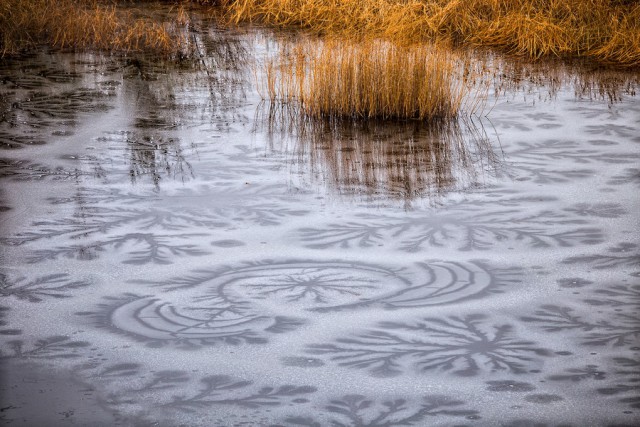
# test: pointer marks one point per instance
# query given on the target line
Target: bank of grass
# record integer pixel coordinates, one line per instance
(90, 24)
(367, 80)
(607, 31)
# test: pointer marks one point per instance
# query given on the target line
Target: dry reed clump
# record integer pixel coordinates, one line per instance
(367, 80)
(81, 24)
(604, 30)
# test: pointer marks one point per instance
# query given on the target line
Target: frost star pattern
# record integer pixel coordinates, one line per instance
(145, 235)
(463, 226)
(54, 347)
(623, 255)
(464, 346)
(202, 322)
(37, 289)
(618, 329)
(171, 254)
(356, 410)
(615, 322)
(130, 385)
(335, 285)
(245, 303)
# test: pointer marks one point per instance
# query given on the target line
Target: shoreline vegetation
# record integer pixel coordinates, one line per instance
(604, 31)
(115, 26)
(359, 60)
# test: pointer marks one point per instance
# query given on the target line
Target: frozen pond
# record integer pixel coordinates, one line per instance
(174, 252)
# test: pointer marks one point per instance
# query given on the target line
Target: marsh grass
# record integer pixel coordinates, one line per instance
(91, 24)
(605, 30)
(367, 80)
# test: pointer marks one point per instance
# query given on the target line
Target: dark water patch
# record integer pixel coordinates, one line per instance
(588, 372)
(573, 282)
(228, 243)
(302, 362)
(510, 386)
(543, 399)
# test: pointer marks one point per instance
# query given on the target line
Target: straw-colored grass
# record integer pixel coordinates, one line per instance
(604, 30)
(367, 80)
(83, 24)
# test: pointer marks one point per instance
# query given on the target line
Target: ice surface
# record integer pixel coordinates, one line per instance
(171, 258)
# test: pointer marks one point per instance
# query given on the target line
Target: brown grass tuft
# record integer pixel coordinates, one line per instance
(367, 80)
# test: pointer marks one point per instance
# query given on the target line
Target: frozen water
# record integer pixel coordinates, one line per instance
(173, 252)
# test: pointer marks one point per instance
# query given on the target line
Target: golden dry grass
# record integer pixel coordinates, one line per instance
(367, 80)
(604, 30)
(83, 24)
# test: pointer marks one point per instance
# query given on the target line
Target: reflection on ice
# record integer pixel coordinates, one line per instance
(382, 161)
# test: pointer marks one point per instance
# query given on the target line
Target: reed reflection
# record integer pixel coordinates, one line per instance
(547, 78)
(165, 101)
(381, 161)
